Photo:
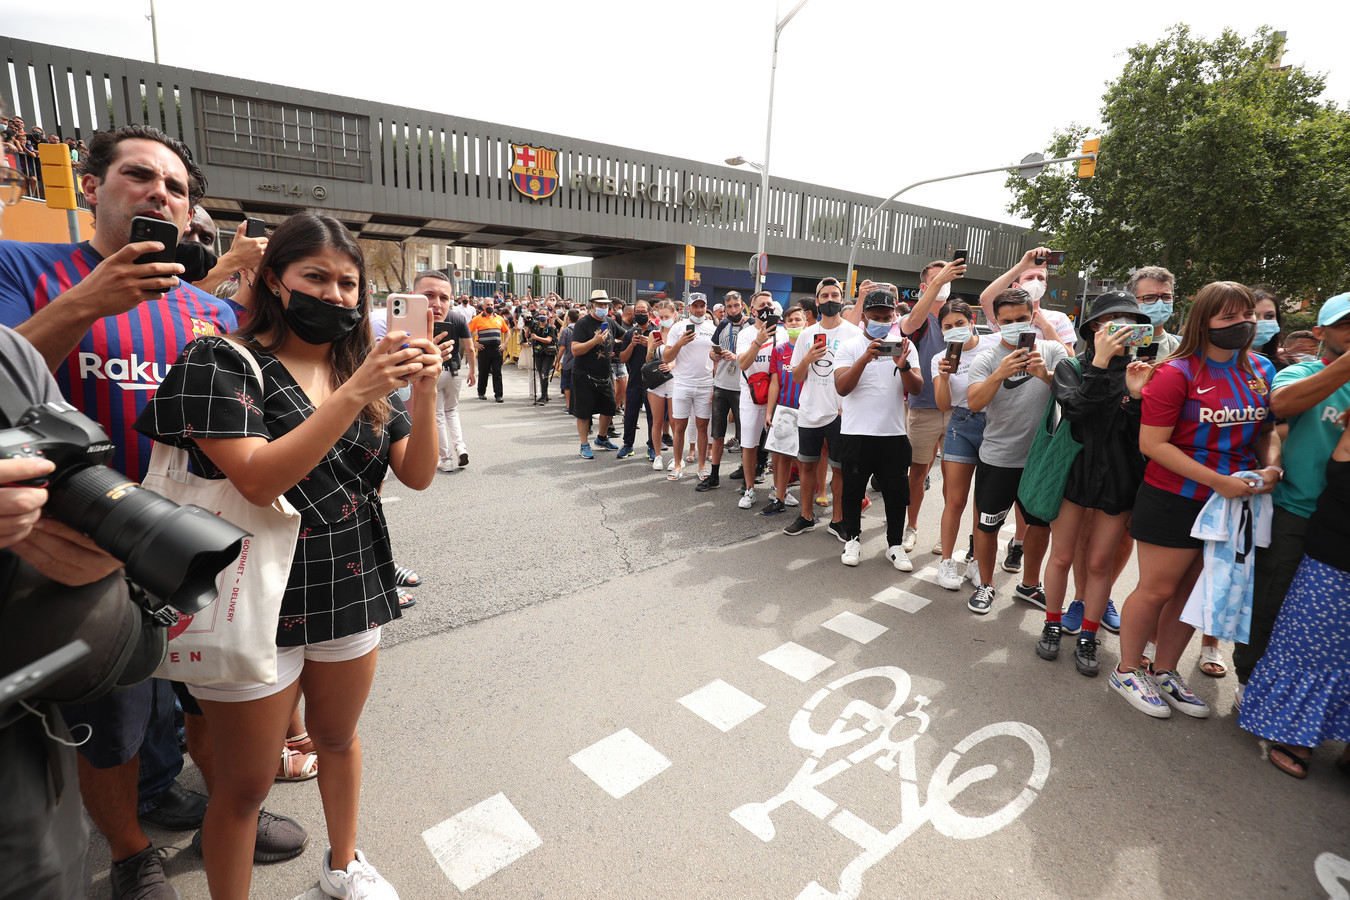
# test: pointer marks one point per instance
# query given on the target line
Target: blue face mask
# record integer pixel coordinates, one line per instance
(1265, 330)
(1158, 312)
(956, 335)
(1014, 330)
(878, 330)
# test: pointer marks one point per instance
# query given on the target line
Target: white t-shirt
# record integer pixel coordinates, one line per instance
(819, 403)
(876, 405)
(761, 363)
(693, 366)
(959, 381)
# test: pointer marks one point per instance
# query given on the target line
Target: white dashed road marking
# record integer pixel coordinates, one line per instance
(901, 600)
(721, 705)
(620, 763)
(797, 661)
(856, 627)
(481, 841)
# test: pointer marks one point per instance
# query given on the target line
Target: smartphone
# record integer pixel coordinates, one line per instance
(144, 228)
(770, 321)
(1055, 258)
(1140, 335)
(819, 341)
(1148, 351)
(408, 312)
(962, 254)
(889, 348)
(954, 354)
(255, 228)
(689, 328)
(1026, 341)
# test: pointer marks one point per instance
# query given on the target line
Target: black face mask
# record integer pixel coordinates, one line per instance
(830, 308)
(196, 259)
(736, 319)
(317, 322)
(641, 318)
(1233, 337)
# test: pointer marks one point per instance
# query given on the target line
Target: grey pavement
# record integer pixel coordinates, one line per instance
(614, 686)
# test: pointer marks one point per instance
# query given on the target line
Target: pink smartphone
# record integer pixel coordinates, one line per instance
(408, 312)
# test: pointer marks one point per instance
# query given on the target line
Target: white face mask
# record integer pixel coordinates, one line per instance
(1035, 290)
(944, 293)
(697, 320)
(957, 335)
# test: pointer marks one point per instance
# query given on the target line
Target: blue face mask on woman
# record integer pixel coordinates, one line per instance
(878, 330)
(1265, 330)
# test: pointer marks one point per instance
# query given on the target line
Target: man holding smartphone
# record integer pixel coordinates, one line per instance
(726, 397)
(592, 379)
(1030, 274)
(242, 259)
(452, 329)
(1011, 383)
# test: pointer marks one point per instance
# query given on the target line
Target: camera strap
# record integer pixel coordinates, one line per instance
(14, 402)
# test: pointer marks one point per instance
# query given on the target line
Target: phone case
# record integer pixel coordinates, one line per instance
(408, 312)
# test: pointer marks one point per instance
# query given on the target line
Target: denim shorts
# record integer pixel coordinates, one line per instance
(965, 433)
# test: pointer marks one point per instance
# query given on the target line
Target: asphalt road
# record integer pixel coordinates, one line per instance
(617, 687)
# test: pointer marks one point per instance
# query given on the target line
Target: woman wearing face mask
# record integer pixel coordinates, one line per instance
(965, 430)
(321, 431)
(1212, 379)
(659, 396)
(1099, 400)
(1269, 341)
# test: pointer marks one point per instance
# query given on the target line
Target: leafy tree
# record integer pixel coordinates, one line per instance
(511, 278)
(561, 287)
(536, 281)
(386, 264)
(1216, 162)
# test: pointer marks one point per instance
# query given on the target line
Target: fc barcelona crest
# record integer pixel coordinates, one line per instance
(534, 171)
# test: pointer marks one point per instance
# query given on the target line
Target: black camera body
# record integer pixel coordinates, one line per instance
(173, 552)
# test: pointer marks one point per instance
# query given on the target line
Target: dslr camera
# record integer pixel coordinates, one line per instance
(174, 553)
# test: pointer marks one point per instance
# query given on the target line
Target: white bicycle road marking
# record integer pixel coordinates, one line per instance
(1331, 870)
(860, 718)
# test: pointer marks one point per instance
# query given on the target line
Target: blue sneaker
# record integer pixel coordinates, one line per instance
(1178, 696)
(586, 452)
(603, 443)
(1136, 687)
(651, 455)
(1072, 621)
(1111, 618)
(624, 452)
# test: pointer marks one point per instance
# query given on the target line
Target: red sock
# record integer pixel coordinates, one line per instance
(1090, 626)
(1054, 618)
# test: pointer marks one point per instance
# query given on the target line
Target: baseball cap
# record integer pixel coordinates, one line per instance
(1334, 310)
(698, 298)
(717, 307)
(878, 298)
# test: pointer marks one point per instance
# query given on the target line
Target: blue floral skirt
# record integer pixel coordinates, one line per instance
(1299, 692)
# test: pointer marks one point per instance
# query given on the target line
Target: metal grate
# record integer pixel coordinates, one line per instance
(249, 133)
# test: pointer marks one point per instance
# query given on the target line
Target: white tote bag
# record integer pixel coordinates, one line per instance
(235, 638)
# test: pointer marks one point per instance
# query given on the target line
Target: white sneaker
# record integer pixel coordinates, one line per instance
(949, 576)
(911, 538)
(359, 882)
(973, 572)
(852, 552)
(789, 500)
(657, 465)
(937, 548)
(747, 498)
(899, 558)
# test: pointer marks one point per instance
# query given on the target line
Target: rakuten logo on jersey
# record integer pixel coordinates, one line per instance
(1244, 416)
(133, 374)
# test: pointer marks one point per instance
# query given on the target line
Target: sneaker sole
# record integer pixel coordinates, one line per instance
(1046, 654)
(841, 540)
(978, 610)
(1008, 568)
(1115, 630)
(1186, 709)
(790, 533)
(848, 562)
(1084, 670)
(1025, 599)
(907, 567)
(1068, 630)
(951, 587)
(1157, 712)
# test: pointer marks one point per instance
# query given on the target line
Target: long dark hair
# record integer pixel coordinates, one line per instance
(1272, 349)
(1212, 300)
(300, 236)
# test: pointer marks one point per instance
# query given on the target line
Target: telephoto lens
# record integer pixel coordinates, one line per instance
(173, 552)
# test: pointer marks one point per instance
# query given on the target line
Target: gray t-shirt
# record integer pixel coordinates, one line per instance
(1017, 406)
(24, 365)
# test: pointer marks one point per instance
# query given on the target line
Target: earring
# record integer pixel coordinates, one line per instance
(277, 292)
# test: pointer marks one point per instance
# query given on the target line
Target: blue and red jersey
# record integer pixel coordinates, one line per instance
(1215, 411)
(119, 362)
(789, 391)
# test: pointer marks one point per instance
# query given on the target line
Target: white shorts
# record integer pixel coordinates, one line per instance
(290, 661)
(691, 397)
(751, 418)
(663, 390)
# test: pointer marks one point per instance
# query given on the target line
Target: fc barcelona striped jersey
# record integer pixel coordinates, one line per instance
(1215, 411)
(789, 391)
(119, 362)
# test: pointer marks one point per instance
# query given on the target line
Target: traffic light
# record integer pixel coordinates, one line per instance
(1088, 167)
(689, 262)
(853, 283)
(57, 175)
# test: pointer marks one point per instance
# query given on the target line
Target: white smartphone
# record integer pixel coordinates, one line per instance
(408, 312)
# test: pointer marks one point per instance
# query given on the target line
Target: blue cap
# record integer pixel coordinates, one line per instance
(1334, 310)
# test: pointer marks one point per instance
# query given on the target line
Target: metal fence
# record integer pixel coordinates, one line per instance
(486, 282)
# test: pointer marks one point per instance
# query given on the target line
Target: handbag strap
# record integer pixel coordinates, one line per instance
(1050, 418)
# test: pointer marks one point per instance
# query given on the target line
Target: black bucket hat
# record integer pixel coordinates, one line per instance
(1112, 303)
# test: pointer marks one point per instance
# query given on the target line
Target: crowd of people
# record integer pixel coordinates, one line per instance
(20, 151)
(1218, 453)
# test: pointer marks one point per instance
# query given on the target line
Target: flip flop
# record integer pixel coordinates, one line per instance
(308, 769)
(1298, 767)
(1212, 662)
(406, 577)
(675, 475)
(406, 602)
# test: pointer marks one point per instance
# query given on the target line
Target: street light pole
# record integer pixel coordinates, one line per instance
(154, 30)
(1027, 165)
(768, 141)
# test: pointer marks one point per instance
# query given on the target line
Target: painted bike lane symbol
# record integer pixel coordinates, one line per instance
(858, 720)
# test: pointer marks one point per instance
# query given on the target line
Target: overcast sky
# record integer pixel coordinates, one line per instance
(871, 95)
